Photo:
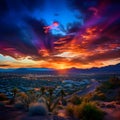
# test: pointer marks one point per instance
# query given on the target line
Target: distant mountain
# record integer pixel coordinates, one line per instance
(6, 70)
(34, 70)
(28, 70)
(107, 69)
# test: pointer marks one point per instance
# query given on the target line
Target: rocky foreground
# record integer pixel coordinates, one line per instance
(9, 112)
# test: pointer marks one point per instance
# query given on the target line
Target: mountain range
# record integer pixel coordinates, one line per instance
(107, 69)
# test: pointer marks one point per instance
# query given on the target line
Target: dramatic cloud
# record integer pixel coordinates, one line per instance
(59, 34)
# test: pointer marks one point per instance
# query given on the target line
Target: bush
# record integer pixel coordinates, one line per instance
(107, 90)
(23, 98)
(78, 111)
(91, 112)
(3, 97)
(75, 100)
(37, 109)
(99, 96)
(27, 98)
(85, 111)
(112, 83)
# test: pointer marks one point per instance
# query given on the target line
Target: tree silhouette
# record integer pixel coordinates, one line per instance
(14, 92)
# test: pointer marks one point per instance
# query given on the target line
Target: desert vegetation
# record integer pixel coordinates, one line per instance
(38, 109)
(85, 111)
(44, 101)
(108, 90)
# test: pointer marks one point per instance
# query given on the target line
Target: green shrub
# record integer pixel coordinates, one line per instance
(3, 97)
(37, 109)
(88, 111)
(85, 111)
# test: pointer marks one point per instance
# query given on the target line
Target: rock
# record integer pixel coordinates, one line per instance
(110, 106)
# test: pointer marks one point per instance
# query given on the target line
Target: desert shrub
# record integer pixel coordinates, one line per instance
(24, 99)
(70, 110)
(27, 98)
(78, 111)
(112, 83)
(32, 96)
(19, 105)
(76, 100)
(99, 96)
(37, 109)
(3, 97)
(107, 90)
(85, 111)
(88, 111)
(104, 87)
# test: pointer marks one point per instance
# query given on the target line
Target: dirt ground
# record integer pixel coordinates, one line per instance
(10, 113)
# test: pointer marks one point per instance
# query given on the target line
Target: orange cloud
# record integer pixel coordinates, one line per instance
(84, 50)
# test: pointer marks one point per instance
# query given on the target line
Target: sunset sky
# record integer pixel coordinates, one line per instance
(59, 33)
